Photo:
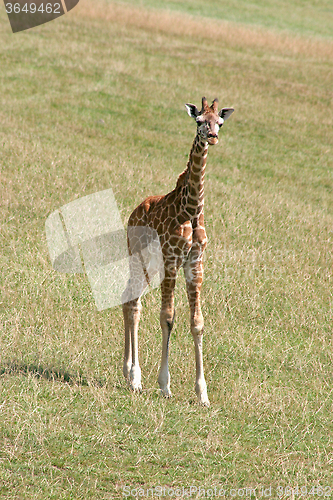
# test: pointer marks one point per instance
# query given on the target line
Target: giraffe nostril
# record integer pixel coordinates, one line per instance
(212, 135)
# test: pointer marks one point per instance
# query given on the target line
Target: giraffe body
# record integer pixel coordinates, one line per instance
(178, 220)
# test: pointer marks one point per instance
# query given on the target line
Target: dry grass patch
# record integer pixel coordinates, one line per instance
(233, 35)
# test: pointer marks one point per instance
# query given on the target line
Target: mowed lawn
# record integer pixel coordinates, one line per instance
(96, 100)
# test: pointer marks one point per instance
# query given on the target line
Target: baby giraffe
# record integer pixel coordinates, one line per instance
(178, 220)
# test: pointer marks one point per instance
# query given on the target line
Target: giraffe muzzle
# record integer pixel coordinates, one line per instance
(212, 139)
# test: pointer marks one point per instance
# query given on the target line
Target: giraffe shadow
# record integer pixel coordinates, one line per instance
(49, 373)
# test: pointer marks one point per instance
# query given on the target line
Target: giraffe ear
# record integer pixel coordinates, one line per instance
(225, 113)
(192, 110)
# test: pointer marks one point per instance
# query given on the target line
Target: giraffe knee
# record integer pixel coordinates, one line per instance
(197, 325)
(168, 318)
(133, 306)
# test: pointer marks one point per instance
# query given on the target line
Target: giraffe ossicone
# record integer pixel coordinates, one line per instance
(178, 220)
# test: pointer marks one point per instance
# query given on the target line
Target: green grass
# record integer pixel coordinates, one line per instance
(69, 427)
(305, 17)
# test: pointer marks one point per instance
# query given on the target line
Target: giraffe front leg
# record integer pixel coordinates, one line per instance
(194, 274)
(167, 317)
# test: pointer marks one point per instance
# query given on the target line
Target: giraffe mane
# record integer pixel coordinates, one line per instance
(181, 178)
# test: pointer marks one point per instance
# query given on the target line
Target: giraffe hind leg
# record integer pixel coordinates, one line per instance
(167, 317)
(127, 364)
(132, 311)
(131, 368)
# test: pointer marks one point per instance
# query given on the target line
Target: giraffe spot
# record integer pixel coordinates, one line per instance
(195, 177)
(172, 211)
(191, 210)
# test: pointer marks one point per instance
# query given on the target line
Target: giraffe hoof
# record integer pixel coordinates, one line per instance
(203, 399)
(206, 404)
(136, 387)
(166, 393)
(135, 379)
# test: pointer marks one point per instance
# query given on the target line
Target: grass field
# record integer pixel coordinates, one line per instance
(96, 100)
(306, 17)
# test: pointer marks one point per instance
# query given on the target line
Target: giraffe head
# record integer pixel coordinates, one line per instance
(209, 120)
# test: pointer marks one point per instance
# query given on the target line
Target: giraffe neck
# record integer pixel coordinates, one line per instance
(192, 185)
